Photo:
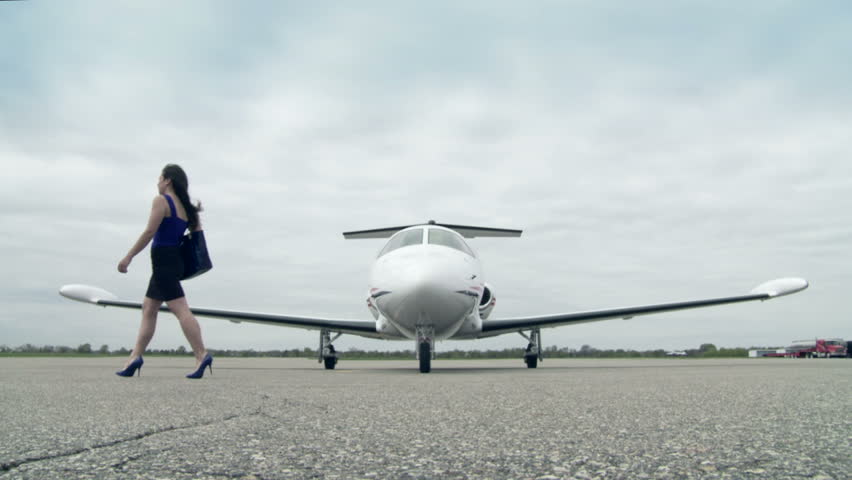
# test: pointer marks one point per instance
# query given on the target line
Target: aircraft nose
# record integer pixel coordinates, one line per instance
(427, 280)
(433, 290)
(429, 292)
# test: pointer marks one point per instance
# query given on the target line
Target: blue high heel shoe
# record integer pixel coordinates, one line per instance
(207, 362)
(132, 368)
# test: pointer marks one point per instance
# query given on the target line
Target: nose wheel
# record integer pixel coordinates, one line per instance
(424, 354)
(425, 348)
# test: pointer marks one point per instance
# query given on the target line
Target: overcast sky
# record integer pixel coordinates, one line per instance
(651, 152)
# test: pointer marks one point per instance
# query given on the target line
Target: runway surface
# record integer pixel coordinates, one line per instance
(289, 418)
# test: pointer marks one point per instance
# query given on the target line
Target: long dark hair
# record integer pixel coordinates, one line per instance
(181, 185)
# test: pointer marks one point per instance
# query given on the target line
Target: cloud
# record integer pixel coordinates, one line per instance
(651, 154)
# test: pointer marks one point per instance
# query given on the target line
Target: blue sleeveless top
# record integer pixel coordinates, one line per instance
(171, 228)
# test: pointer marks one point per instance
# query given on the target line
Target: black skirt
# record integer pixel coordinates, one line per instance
(166, 270)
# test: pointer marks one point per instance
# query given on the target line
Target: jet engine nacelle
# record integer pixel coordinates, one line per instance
(486, 302)
(372, 307)
(386, 328)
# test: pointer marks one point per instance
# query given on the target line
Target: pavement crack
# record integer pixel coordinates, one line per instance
(125, 461)
(218, 474)
(7, 466)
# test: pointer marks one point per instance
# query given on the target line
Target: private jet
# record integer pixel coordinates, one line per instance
(426, 285)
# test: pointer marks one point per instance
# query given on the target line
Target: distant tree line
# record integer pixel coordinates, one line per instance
(707, 350)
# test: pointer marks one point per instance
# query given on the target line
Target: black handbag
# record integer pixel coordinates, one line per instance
(196, 259)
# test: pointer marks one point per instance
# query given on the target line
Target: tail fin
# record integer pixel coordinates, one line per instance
(466, 231)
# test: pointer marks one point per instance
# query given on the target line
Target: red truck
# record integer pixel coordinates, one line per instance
(817, 348)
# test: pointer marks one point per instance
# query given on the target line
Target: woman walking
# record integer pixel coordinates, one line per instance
(171, 214)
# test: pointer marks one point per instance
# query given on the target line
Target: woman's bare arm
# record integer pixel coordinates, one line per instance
(158, 211)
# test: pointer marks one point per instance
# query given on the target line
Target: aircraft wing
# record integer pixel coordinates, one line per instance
(98, 296)
(766, 291)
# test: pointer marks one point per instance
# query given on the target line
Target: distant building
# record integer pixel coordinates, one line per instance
(765, 352)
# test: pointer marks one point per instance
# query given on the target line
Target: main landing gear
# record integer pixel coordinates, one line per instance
(532, 354)
(425, 347)
(327, 354)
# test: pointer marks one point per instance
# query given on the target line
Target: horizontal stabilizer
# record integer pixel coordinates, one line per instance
(375, 233)
(467, 231)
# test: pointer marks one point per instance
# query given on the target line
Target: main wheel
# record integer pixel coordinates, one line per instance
(425, 354)
(330, 362)
(531, 361)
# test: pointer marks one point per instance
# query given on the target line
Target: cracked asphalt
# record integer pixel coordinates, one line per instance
(289, 418)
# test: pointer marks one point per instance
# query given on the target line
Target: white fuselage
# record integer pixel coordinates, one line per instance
(426, 286)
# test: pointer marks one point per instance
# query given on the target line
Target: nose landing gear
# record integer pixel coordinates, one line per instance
(425, 347)
(532, 354)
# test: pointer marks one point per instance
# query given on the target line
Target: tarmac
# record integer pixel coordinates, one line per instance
(268, 418)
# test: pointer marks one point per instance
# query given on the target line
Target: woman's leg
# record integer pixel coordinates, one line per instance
(150, 307)
(191, 329)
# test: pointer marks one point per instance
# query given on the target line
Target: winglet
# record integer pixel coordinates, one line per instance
(86, 293)
(781, 287)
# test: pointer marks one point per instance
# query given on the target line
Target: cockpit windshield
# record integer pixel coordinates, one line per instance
(450, 239)
(404, 238)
